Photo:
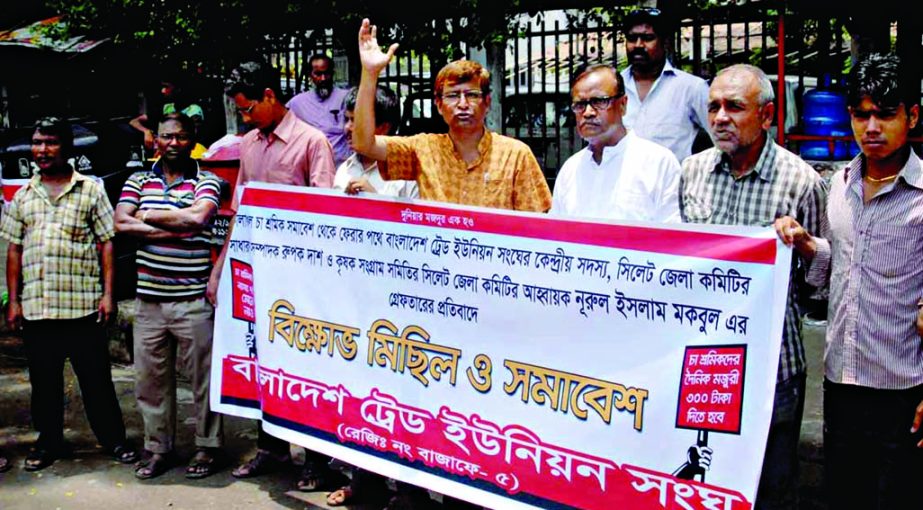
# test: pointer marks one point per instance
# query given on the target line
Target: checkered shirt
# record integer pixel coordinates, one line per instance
(781, 184)
(60, 258)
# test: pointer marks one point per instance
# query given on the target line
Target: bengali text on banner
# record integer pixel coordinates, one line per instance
(509, 359)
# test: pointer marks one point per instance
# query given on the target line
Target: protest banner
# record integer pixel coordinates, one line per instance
(514, 360)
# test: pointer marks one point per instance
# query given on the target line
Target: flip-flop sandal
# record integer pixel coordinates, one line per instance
(5, 464)
(200, 468)
(316, 478)
(40, 458)
(263, 463)
(154, 466)
(124, 454)
(342, 496)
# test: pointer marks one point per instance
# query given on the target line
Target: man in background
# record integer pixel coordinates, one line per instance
(322, 106)
(665, 105)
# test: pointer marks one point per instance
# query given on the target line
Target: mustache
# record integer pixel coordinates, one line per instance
(637, 53)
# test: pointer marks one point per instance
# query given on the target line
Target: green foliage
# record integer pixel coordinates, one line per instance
(199, 29)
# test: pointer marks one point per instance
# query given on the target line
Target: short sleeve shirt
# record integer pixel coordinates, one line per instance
(60, 258)
(172, 269)
(505, 176)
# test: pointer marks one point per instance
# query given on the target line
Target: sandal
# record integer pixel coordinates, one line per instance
(154, 465)
(262, 463)
(5, 463)
(342, 496)
(39, 458)
(350, 495)
(316, 478)
(124, 454)
(206, 462)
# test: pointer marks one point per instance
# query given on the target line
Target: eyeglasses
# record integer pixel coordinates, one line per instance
(246, 111)
(633, 38)
(598, 103)
(473, 97)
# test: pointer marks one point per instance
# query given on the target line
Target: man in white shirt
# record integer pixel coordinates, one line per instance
(665, 104)
(360, 173)
(619, 175)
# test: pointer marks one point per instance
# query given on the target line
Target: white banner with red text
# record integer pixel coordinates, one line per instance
(513, 360)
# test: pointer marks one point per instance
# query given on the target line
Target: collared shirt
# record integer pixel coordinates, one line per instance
(505, 176)
(60, 259)
(171, 269)
(352, 169)
(673, 111)
(294, 153)
(327, 115)
(636, 180)
(871, 254)
(780, 184)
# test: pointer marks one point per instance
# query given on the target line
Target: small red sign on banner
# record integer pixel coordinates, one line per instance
(242, 290)
(711, 388)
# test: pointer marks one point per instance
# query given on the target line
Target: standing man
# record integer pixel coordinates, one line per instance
(174, 100)
(59, 277)
(322, 106)
(170, 208)
(618, 175)
(469, 165)
(280, 149)
(746, 179)
(869, 251)
(665, 104)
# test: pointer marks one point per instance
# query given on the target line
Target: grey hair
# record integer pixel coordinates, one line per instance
(767, 94)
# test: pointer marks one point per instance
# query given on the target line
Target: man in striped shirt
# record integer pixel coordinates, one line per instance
(746, 179)
(170, 209)
(869, 249)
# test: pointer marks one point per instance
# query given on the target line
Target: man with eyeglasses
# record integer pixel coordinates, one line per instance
(747, 179)
(285, 150)
(665, 104)
(170, 209)
(322, 106)
(618, 176)
(469, 165)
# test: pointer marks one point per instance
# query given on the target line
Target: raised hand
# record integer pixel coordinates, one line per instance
(370, 54)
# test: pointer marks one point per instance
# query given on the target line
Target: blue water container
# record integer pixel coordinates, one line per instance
(825, 114)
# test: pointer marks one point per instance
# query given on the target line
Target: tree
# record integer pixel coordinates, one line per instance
(196, 30)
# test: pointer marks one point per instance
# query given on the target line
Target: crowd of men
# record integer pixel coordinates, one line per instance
(858, 237)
